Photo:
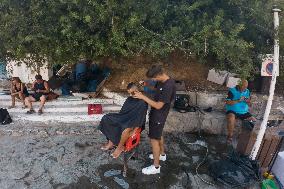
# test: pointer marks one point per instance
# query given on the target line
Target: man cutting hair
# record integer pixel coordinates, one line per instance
(160, 106)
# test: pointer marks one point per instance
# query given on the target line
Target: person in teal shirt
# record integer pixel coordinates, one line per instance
(237, 106)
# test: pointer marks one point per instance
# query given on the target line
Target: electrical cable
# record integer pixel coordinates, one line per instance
(202, 145)
(201, 163)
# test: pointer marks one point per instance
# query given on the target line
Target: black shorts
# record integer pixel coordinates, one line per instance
(37, 96)
(240, 116)
(156, 130)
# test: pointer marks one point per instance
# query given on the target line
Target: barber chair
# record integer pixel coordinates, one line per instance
(131, 149)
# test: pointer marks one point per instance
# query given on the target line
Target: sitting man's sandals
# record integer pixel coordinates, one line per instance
(30, 111)
(117, 153)
(40, 112)
(229, 140)
(10, 107)
(106, 148)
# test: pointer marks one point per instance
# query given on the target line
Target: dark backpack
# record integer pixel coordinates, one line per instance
(182, 104)
(5, 118)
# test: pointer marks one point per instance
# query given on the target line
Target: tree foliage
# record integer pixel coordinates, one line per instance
(233, 32)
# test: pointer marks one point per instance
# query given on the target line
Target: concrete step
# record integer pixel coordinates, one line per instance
(7, 102)
(63, 110)
(78, 108)
(117, 97)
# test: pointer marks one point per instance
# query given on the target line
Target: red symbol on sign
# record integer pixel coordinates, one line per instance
(269, 68)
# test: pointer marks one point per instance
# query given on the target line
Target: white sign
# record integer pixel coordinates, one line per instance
(267, 66)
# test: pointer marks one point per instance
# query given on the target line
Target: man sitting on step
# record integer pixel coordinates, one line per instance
(118, 127)
(237, 106)
(41, 89)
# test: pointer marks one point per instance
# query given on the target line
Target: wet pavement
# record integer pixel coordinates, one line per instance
(66, 161)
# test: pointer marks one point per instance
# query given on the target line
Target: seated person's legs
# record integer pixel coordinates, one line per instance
(108, 146)
(28, 101)
(124, 137)
(42, 102)
(22, 98)
(231, 120)
(251, 118)
(13, 98)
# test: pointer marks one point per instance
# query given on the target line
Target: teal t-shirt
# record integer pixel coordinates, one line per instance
(240, 107)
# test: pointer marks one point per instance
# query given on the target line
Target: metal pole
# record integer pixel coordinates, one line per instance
(272, 87)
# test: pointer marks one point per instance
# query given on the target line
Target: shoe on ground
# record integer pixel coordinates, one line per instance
(162, 158)
(151, 170)
(30, 111)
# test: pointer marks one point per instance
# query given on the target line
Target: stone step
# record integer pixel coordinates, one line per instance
(7, 102)
(118, 98)
(78, 108)
(69, 117)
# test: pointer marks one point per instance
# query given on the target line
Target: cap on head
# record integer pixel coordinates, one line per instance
(154, 71)
(38, 77)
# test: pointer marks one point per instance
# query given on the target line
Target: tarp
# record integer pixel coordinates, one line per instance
(132, 114)
(235, 171)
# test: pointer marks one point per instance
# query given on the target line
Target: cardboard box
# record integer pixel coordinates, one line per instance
(218, 77)
(232, 81)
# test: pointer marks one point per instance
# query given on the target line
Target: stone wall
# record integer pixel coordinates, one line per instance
(27, 74)
(215, 122)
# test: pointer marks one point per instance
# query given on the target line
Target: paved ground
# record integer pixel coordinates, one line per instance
(46, 156)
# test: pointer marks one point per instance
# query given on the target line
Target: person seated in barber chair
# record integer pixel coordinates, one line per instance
(118, 127)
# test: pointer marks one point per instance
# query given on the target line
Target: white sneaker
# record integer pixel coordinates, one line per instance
(162, 158)
(151, 170)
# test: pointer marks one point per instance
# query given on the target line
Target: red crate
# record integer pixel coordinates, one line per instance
(95, 109)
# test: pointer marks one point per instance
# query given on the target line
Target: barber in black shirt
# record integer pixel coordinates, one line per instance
(160, 106)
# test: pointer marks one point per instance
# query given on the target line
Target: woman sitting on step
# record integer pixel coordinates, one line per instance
(18, 90)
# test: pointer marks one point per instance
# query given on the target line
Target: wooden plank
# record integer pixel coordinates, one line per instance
(271, 152)
(263, 152)
(243, 141)
(251, 142)
(94, 94)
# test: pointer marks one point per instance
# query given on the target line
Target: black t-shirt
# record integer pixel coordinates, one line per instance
(165, 92)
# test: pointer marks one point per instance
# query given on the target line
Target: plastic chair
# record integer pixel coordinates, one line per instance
(130, 147)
